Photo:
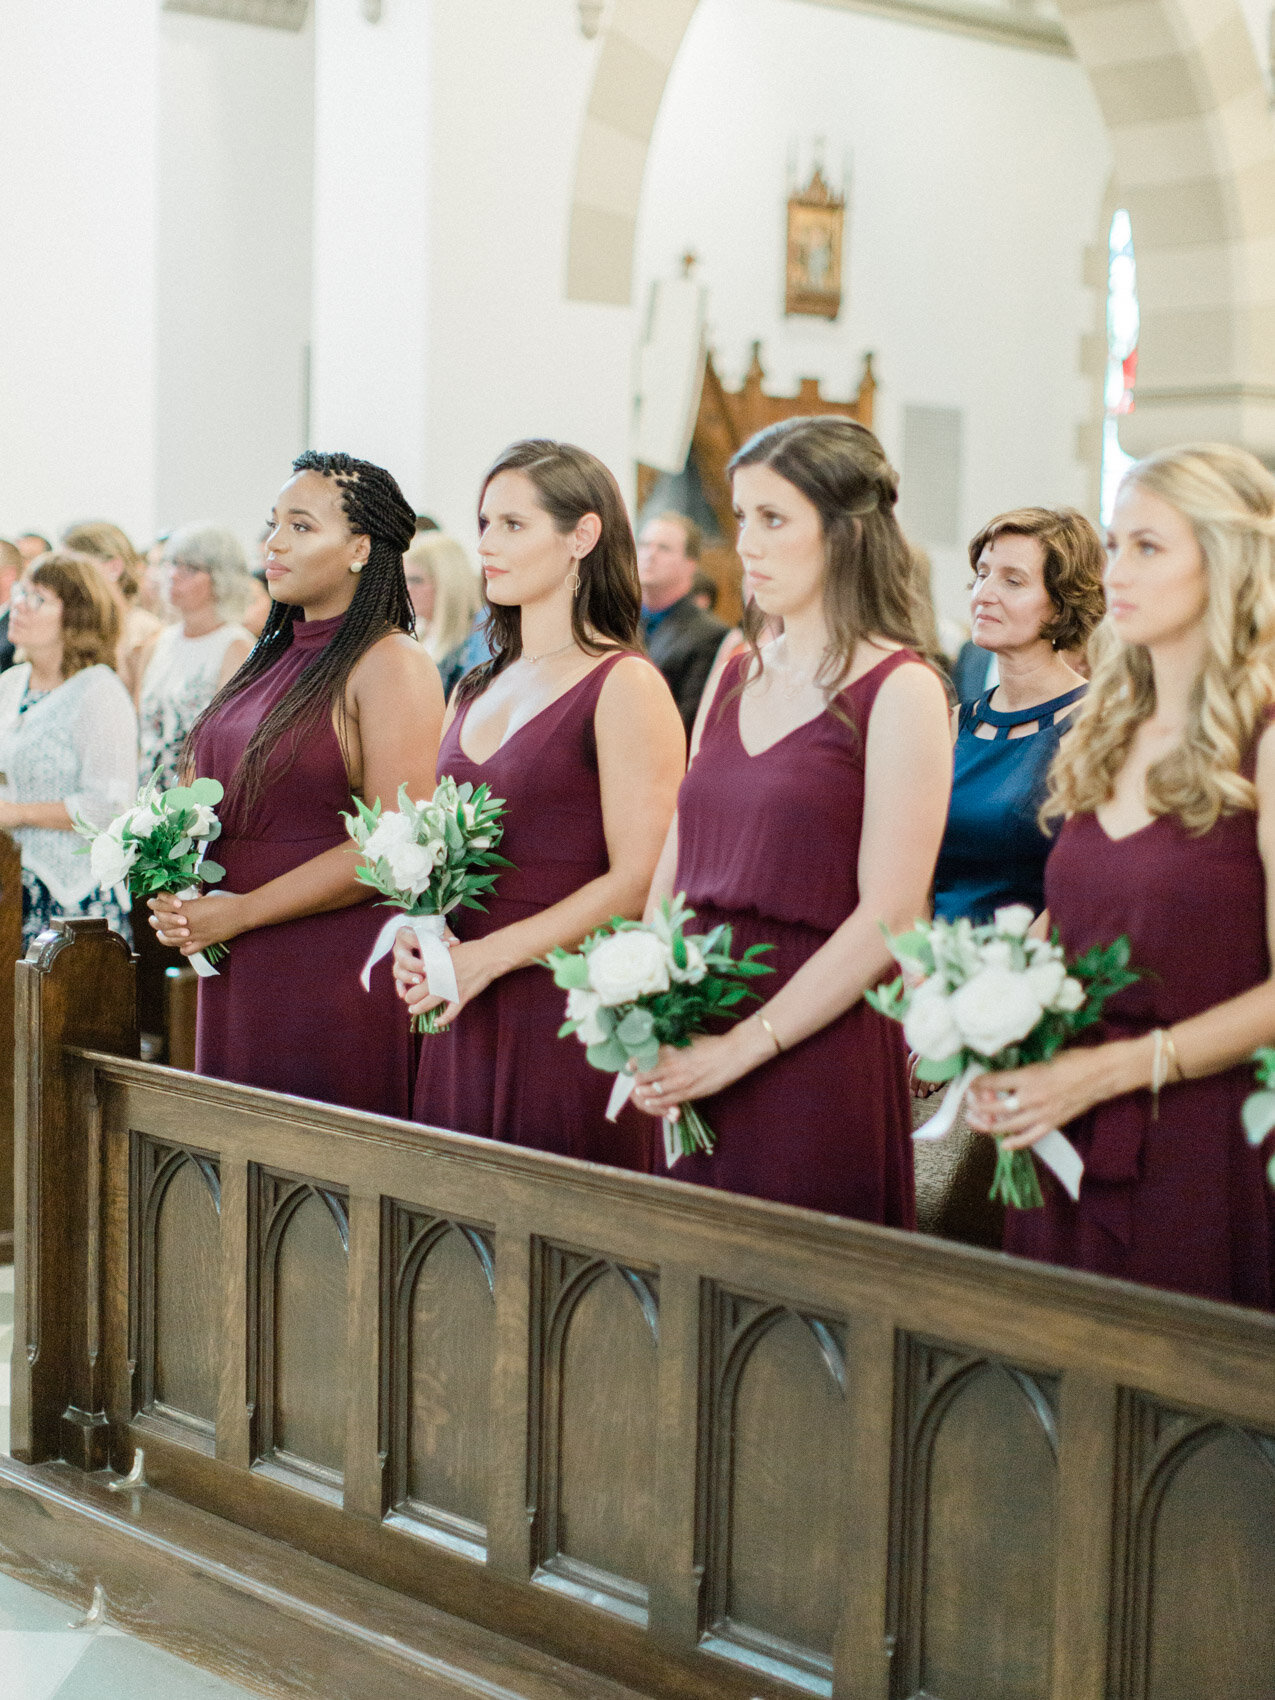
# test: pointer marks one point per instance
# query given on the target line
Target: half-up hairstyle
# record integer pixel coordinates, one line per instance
(377, 509)
(840, 467)
(1228, 497)
(607, 608)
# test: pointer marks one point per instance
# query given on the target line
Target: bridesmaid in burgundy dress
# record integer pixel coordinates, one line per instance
(581, 737)
(1168, 785)
(335, 699)
(811, 815)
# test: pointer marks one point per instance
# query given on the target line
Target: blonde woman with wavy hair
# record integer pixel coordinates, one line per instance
(1167, 786)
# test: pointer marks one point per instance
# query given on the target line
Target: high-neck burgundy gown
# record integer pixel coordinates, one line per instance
(500, 1070)
(770, 844)
(286, 1010)
(1178, 1201)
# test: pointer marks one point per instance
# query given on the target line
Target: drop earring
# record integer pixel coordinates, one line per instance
(575, 579)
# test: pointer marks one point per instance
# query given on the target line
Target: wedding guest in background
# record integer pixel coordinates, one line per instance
(1167, 786)
(579, 734)
(12, 566)
(444, 590)
(1037, 594)
(31, 544)
(68, 737)
(336, 700)
(206, 584)
(704, 591)
(681, 638)
(811, 817)
(257, 608)
(122, 567)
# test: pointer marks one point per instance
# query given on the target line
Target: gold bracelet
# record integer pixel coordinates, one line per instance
(1174, 1069)
(774, 1037)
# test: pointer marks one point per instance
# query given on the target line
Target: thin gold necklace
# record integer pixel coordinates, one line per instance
(561, 650)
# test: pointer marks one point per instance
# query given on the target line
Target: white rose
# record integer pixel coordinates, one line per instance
(391, 831)
(205, 821)
(695, 969)
(110, 860)
(1070, 996)
(997, 954)
(1014, 919)
(1045, 980)
(143, 821)
(627, 966)
(995, 1009)
(583, 1006)
(930, 1027)
(411, 866)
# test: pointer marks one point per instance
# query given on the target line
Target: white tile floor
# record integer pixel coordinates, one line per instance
(44, 1657)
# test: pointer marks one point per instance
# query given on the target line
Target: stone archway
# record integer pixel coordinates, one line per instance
(1186, 104)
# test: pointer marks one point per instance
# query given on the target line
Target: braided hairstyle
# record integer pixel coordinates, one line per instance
(377, 509)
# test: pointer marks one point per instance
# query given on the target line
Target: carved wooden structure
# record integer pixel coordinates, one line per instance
(10, 951)
(725, 422)
(533, 1428)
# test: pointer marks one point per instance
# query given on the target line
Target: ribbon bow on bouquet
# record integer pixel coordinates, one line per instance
(427, 859)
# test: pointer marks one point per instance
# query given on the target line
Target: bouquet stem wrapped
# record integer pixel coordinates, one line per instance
(427, 859)
(161, 845)
(977, 1000)
(634, 986)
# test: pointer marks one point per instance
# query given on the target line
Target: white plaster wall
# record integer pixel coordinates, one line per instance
(236, 117)
(509, 356)
(77, 211)
(1257, 15)
(371, 234)
(978, 180)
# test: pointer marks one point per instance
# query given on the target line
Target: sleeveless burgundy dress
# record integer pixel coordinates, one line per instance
(770, 844)
(1183, 1201)
(500, 1070)
(286, 1011)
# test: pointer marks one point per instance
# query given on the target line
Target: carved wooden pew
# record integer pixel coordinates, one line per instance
(471, 1420)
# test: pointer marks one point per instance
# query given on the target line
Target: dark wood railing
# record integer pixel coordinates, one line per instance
(689, 1443)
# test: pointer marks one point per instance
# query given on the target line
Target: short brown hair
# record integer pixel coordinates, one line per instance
(106, 542)
(90, 620)
(1074, 563)
(694, 544)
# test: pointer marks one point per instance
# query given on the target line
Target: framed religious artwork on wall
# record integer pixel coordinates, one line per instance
(816, 230)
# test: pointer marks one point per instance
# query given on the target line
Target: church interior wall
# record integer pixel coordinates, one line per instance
(976, 179)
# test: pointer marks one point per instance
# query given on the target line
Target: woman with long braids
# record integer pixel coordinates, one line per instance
(810, 818)
(581, 736)
(335, 700)
(1166, 788)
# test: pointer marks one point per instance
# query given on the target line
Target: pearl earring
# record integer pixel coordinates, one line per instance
(356, 566)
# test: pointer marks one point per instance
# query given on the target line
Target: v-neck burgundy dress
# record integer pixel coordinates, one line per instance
(286, 1010)
(501, 1071)
(1181, 1201)
(770, 844)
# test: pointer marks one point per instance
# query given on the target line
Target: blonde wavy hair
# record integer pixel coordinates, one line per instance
(1228, 497)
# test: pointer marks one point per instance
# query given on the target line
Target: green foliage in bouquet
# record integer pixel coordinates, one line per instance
(1258, 1112)
(432, 857)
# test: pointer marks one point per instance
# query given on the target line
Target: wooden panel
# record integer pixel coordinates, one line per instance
(1198, 1549)
(10, 951)
(177, 1199)
(441, 1346)
(600, 1333)
(302, 1230)
(977, 1540)
(776, 1505)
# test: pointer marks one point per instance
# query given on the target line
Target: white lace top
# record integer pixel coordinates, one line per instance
(77, 745)
(179, 683)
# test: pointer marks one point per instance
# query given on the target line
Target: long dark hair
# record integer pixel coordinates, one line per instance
(375, 508)
(607, 607)
(841, 468)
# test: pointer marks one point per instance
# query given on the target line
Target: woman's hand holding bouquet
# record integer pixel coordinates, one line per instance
(159, 848)
(428, 859)
(635, 986)
(989, 1000)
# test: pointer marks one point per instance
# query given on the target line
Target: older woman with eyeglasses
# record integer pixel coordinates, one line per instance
(68, 737)
(207, 585)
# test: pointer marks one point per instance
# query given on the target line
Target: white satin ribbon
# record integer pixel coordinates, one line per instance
(440, 974)
(621, 1092)
(1054, 1149)
(199, 962)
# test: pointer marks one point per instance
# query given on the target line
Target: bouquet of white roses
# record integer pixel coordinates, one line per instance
(428, 859)
(1258, 1112)
(635, 986)
(975, 1000)
(161, 844)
